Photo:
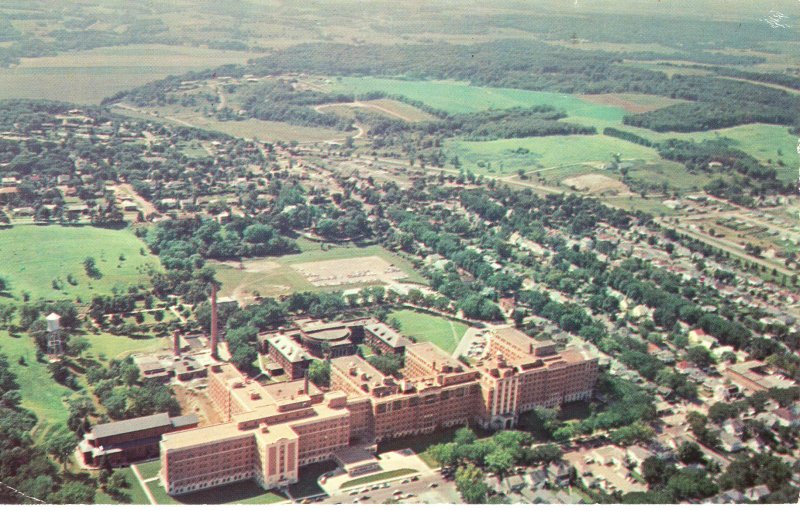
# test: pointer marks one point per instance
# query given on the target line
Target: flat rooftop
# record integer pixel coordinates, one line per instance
(435, 356)
(227, 431)
(358, 370)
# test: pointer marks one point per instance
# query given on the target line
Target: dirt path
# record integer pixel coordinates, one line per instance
(223, 101)
(359, 104)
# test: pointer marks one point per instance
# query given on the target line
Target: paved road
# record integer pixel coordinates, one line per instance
(445, 492)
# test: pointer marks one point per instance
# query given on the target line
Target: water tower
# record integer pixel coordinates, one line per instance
(55, 344)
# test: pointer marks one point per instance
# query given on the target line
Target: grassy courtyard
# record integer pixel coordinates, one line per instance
(440, 331)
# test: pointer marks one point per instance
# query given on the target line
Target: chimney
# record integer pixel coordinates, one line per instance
(176, 343)
(214, 326)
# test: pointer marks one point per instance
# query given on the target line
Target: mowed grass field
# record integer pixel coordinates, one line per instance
(90, 76)
(440, 331)
(278, 277)
(33, 256)
(507, 156)
(111, 346)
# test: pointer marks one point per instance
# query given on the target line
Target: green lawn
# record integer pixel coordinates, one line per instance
(278, 277)
(149, 469)
(40, 393)
(33, 256)
(505, 157)
(459, 97)
(378, 477)
(112, 346)
(134, 491)
(243, 492)
(423, 327)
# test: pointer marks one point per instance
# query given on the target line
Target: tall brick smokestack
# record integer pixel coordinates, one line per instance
(214, 326)
(176, 343)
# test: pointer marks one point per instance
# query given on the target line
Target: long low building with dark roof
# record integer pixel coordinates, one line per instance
(122, 442)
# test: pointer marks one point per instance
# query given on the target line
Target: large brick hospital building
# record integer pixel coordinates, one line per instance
(272, 430)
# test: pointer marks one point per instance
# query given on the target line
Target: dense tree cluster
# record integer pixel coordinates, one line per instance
(124, 396)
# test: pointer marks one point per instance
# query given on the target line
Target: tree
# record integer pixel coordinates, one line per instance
(544, 454)
(656, 471)
(90, 266)
(464, 436)
(500, 461)
(700, 356)
(445, 454)
(75, 347)
(691, 484)
(470, 483)
(320, 373)
(61, 445)
(690, 453)
(73, 492)
(115, 487)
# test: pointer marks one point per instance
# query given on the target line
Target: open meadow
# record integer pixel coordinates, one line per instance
(504, 157)
(35, 256)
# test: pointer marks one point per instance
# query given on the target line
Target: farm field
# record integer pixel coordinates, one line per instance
(95, 74)
(274, 276)
(33, 256)
(634, 103)
(459, 97)
(544, 152)
(252, 128)
(40, 393)
(423, 327)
